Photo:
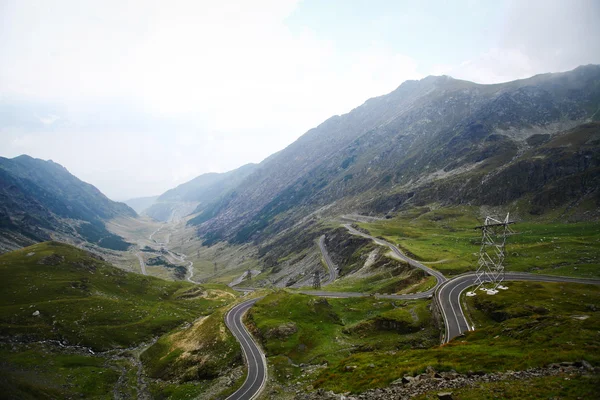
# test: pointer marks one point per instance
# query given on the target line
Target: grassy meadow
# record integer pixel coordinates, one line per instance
(299, 329)
(529, 325)
(445, 239)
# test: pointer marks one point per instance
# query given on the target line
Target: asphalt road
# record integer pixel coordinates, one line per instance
(255, 358)
(142, 263)
(448, 297)
(330, 264)
(447, 294)
(437, 274)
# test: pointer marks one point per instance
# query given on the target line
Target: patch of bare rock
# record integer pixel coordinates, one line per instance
(443, 382)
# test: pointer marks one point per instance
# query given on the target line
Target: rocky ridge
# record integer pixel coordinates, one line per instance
(435, 140)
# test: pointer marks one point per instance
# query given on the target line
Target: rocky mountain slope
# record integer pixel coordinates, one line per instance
(40, 200)
(194, 195)
(437, 140)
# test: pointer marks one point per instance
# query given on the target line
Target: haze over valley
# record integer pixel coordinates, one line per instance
(304, 212)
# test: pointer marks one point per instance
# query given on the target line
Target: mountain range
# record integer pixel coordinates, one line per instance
(193, 196)
(40, 200)
(438, 140)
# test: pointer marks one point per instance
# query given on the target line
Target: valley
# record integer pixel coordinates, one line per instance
(449, 297)
(342, 266)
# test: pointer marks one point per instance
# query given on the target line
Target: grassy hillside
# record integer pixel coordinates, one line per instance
(529, 325)
(192, 357)
(444, 239)
(76, 321)
(298, 329)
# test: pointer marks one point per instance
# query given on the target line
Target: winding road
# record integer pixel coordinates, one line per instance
(255, 358)
(437, 274)
(177, 257)
(447, 296)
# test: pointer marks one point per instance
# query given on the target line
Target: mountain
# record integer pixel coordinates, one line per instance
(437, 140)
(140, 204)
(193, 196)
(40, 200)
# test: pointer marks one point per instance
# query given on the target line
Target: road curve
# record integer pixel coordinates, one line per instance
(447, 294)
(437, 274)
(255, 358)
(448, 298)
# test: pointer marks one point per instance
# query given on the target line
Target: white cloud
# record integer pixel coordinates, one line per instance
(147, 94)
(494, 66)
(240, 84)
(539, 36)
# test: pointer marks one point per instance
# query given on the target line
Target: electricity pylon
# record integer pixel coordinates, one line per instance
(490, 270)
(316, 279)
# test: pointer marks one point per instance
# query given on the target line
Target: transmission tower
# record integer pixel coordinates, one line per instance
(316, 279)
(490, 270)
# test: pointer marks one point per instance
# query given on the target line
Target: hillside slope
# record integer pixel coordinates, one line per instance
(194, 195)
(71, 324)
(434, 140)
(41, 199)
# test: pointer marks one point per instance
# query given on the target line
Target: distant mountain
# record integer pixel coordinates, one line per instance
(140, 204)
(193, 196)
(40, 200)
(438, 140)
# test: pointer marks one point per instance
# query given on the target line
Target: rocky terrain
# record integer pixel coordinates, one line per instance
(442, 383)
(40, 200)
(437, 140)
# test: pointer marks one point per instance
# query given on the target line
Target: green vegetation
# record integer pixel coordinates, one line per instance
(548, 387)
(179, 270)
(82, 300)
(444, 239)
(389, 282)
(201, 351)
(55, 293)
(530, 325)
(95, 232)
(37, 371)
(296, 328)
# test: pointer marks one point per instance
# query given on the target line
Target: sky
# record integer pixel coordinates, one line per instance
(139, 96)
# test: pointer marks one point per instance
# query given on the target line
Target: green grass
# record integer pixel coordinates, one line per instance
(444, 239)
(200, 352)
(161, 390)
(563, 386)
(330, 330)
(411, 281)
(42, 372)
(84, 301)
(529, 325)
(88, 302)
